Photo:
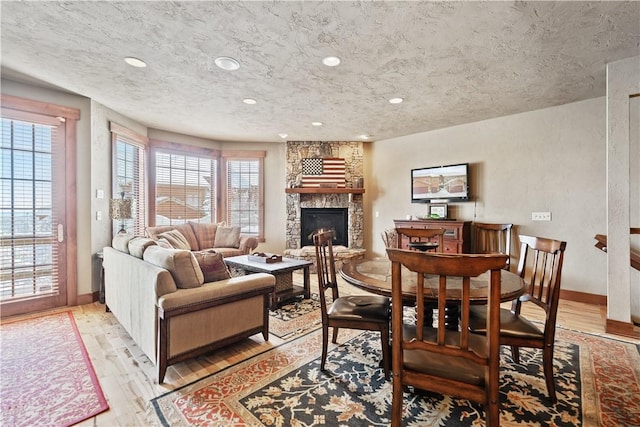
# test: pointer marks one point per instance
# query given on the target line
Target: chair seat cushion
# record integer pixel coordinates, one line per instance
(441, 365)
(510, 324)
(369, 307)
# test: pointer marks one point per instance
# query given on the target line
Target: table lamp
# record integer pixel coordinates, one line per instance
(120, 210)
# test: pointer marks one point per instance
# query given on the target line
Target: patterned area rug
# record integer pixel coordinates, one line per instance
(598, 383)
(295, 317)
(46, 376)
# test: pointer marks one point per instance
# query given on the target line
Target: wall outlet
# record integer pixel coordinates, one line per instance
(541, 216)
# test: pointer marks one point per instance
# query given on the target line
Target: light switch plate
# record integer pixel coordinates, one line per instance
(541, 216)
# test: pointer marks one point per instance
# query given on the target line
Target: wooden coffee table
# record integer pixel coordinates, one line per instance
(282, 270)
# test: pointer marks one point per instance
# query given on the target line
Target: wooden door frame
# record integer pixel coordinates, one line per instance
(69, 118)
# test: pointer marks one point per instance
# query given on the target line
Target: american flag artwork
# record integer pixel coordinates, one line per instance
(321, 172)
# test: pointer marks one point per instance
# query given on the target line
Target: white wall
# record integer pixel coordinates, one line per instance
(546, 160)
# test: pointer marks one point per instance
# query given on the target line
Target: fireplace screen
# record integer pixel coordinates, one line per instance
(314, 219)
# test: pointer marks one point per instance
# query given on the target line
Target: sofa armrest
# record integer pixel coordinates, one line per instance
(248, 244)
(219, 292)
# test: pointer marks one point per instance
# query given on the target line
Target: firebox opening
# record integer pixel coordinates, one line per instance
(314, 219)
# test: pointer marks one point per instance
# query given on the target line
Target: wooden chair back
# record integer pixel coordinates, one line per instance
(407, 235)
(326, 269)
(540, 266)
(390, 238)
(492, 238)
(445, 361)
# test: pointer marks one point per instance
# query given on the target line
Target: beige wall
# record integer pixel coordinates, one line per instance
(545, 160)
(623, 82)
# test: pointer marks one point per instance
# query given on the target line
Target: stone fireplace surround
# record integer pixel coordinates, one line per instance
(352, 152)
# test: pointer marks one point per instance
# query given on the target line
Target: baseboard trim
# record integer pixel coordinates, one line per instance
(88, 298)
(583, 297)
(625, 329)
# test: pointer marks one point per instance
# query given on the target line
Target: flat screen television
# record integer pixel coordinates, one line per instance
(440, 184)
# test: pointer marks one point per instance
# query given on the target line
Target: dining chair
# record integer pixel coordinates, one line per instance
(366, 312)
(418, 235)
(390, 238)
(489, 238)
(451, 362)
(540, 265)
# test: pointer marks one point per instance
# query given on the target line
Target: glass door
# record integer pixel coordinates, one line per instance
(32, 213)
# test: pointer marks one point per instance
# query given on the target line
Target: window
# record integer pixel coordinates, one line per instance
(185, 185)
(243, 201)
(130, 176)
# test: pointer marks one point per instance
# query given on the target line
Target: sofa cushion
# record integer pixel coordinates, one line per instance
(182, 265)
(185, 229)
(176, 239)
(227, 237)
(212, 266)
(120, 242)
(139, 244)
(205, 233)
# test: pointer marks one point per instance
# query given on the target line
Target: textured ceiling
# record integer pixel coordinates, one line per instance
(452, 62)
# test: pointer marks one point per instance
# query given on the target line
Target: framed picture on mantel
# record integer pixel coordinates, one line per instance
(438, 211)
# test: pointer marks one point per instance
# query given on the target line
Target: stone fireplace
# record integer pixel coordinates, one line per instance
(344, 199)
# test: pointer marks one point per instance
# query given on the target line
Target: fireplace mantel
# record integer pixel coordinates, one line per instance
(317, 190)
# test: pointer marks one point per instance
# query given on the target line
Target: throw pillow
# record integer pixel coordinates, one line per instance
(212, 266)
(139, 244)
(185, 229)
(227, 237)
(182, 265)
(164, 243)
(205, 233)
(176, 239)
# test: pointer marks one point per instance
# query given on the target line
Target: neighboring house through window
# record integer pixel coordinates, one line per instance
(185, 184)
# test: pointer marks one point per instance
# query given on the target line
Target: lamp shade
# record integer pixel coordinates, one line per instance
(120, 209)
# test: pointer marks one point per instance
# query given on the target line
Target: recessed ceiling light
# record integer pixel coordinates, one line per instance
(249, 101)
(316, 123)
(395, 100)
(135, 62)
(331, 61)
(364, 136)
(282, 135)
(226, 63)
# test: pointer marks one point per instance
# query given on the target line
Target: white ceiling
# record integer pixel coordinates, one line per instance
(452, 62)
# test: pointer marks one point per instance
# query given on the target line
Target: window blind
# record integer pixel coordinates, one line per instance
(29, 217)
(184, 188)
(244, 192)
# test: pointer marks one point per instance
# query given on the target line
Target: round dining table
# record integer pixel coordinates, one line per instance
(374, 275)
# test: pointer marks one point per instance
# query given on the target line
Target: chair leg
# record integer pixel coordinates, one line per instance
(493, 414)
(386, 351)
(335, 335)
(396, 401)
(325, 344)
(547, 362)
(515, 354)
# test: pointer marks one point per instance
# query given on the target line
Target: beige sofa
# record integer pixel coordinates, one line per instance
(202, 236)
(161, 299)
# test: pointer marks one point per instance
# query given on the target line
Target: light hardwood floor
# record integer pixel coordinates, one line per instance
(126, 375)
